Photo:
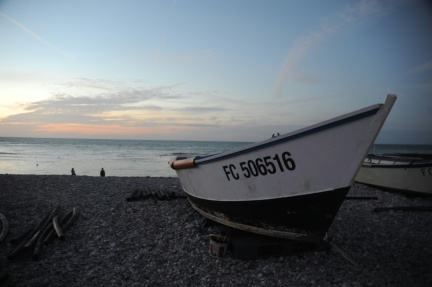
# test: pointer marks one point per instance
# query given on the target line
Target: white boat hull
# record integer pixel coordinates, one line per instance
(396, 173)
(288, 185)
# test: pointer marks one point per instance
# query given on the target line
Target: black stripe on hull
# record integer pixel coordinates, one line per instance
(401, 166)
(304, 214)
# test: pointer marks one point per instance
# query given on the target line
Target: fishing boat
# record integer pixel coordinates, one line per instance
(398, 172)
(289, 186)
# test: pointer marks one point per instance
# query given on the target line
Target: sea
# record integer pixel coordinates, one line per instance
(87, 157)
(53, 156)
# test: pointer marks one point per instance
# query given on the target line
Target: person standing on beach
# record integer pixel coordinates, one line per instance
(102, 172)
(72, 171)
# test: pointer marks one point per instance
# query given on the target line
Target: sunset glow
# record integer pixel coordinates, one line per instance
(211, 70)
(84, 129)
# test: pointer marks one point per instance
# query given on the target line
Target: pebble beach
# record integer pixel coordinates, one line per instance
(156, 242)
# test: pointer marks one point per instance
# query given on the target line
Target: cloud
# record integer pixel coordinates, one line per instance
(291, 65)
(198, 110)
(305, 46)
(364, 8)
(34, 35)
(139, 107)
(91, 84)
(207, 57)
(174, 2)
(161, 110)
(426, 67)
(63, 108)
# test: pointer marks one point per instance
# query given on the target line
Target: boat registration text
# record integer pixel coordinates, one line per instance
(426, 172)
(260, 166)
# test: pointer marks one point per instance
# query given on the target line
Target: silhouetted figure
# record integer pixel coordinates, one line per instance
(72, 171)
(102, 173)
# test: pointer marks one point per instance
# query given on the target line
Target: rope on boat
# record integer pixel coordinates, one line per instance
(34, 237)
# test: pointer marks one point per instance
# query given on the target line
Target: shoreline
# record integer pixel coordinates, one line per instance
(154, 242)
(84, 175)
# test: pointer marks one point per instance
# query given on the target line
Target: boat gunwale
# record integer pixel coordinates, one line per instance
(405, 165)
(396, 161)
(331, 123)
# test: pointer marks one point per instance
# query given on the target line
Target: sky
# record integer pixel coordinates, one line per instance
(211, 70)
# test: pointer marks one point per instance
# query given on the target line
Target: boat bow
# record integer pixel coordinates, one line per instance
(292, 183)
